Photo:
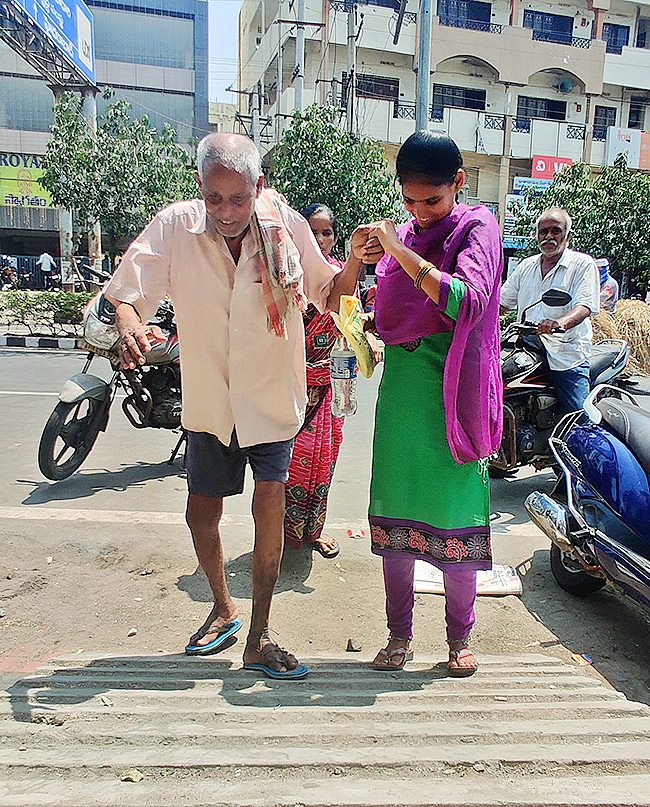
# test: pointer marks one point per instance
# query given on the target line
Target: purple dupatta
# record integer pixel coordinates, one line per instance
(466, 244)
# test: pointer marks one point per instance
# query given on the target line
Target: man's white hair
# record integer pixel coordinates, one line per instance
(236, 152)
(559, 212)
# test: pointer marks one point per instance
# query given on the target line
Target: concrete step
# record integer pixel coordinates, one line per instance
(524, 730)
(473, 789)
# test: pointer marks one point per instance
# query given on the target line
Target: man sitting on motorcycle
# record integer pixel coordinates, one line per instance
(237, 264)
(565, 331)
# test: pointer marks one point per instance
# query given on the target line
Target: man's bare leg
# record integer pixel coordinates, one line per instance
(268, 512)
(203, 515)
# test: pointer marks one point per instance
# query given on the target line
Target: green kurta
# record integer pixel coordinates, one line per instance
(421, 500)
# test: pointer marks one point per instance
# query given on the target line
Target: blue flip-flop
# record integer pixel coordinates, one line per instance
(222, 635)
(300, 671)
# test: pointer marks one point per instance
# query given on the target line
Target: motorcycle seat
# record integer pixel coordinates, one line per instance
(631, 424)
(602, 357)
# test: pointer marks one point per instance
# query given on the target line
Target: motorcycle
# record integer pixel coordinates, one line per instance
(153, 392)
(599, 520)
(530, 405)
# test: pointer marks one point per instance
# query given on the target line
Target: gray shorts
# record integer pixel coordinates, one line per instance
(215, 470)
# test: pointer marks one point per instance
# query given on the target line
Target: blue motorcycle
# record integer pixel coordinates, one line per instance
(598, 516)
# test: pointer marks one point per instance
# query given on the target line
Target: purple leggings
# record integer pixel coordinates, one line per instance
(460, 595)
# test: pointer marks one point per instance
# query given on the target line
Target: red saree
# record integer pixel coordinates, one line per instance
(317, 445)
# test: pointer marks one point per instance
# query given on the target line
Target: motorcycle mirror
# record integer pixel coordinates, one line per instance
(555, 298)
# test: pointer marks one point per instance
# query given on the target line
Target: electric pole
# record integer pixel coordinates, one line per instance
(300, 55)
(352, 68)
(422, 91)
(278, 104)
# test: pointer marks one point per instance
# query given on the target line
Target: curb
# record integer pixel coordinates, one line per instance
(60, 343)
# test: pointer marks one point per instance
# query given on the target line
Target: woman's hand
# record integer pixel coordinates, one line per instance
(386, 235)
(364, 247)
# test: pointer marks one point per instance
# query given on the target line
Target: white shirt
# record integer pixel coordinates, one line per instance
(234, 372)
(575, 273)
(46, 262)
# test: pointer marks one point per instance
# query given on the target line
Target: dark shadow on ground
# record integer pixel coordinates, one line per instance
(294, 571)
(606, 626)
(82, 485)
(43, 699)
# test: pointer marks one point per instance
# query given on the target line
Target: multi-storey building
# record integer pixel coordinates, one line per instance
(154, 53)
(511, 79)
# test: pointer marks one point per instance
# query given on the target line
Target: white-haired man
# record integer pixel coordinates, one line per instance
(237, 264)
(558, 267)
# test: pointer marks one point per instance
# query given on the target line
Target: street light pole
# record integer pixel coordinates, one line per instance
(422, 93)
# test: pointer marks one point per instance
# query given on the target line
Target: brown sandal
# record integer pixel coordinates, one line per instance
(384, 657)
(457, 655)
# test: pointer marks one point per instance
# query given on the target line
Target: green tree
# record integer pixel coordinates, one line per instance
(121, 178)
(317, 161)
(610, 212)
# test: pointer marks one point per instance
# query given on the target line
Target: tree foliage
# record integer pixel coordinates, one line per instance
(610, 212)
(121, 178)
(317, 161)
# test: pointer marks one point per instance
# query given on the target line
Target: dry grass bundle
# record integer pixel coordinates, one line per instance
(604, 327)
(632, 319)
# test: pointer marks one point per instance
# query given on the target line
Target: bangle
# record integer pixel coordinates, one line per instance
(423, 271)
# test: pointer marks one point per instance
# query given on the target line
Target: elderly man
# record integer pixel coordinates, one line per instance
(565, 331)
(238, 265)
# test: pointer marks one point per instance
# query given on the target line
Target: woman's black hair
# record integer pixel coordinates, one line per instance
(319, 207)
(433, 156)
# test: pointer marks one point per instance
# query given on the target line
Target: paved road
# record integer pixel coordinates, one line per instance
(73, 552)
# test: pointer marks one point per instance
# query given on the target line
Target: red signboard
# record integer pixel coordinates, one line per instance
(547, 167)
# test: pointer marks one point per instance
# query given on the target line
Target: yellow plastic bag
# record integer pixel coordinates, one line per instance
(349, 321)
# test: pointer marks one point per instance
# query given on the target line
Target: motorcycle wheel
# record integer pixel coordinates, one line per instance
(570, 576)
(69, 435)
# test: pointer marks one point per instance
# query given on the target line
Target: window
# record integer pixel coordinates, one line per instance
(636, 116)
(372, 87)
(16, 112)
(460, 97)
(604, 116)
(462, 10)
(616, 37)
(642, 38)
(177, 109)
(128, 36)
(545, 108)
(394, 4)
(549, 27)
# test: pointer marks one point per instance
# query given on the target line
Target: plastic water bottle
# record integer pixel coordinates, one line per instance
(343, 371)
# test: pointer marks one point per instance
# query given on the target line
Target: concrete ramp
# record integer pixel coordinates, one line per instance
(525, 730)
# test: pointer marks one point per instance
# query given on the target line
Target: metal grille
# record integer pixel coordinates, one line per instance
(496, 122)
(560, 39)
(575, 132)
(436, 114)
(521, 125)
(404, 111)
(600, 133)
(472, 25)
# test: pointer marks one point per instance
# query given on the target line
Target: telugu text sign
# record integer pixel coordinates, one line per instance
(19, 175)
(68, 24)
(547, 167)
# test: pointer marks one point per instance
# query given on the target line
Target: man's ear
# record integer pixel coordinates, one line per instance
(260, 185)
(198, 180)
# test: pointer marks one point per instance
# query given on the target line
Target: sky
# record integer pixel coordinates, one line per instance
(223, 48)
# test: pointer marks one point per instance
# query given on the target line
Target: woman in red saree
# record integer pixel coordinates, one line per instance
(317, 445)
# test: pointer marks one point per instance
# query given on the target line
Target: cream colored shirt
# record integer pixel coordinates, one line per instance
(234, 372)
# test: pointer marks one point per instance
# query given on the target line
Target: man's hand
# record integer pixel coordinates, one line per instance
(135, 336)
(548, 326)
(364, 248)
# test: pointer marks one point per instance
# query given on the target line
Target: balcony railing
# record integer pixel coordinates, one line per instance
(614, 47)
(560, 38)
(521, 125)
(406, 111)
(574, 132)
(472, 25)
(600, 133)
(495, 122)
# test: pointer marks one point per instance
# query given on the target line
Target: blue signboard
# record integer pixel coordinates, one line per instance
(68, 24)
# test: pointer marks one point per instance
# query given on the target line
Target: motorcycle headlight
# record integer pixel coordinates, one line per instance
(97, 333)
